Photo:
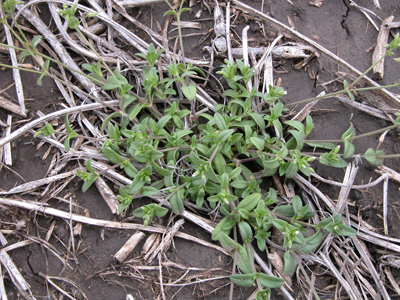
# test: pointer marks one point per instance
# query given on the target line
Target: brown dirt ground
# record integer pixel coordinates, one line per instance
(338, 27)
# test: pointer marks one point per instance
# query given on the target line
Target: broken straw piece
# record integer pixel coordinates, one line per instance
(128, 247)
(7, 147)
(380, 49)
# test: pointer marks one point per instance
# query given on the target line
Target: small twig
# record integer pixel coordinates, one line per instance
(50, 116)
(385, 206)
(16, 74)
(228, 28)
(198, 281)
(7, 147)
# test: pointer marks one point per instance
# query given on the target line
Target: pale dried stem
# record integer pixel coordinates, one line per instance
(108, 195)
(385, 206)
(50, 116)
(15, 275)
(349, 177)
(388, 172)
(16, 72)
(128, 247)
(8, 105)
(228, 30)
(58, 47)
(380, 48)
(3, 293)
(364, 108)
(95, 222)
(338, 276)
(37, 183)
(7, 146)
(366, 257)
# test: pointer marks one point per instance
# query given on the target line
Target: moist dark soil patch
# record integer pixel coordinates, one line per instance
(91, 268)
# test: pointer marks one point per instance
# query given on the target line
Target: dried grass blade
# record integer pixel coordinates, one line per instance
(108, 195)
(167, 240)
(105, 223)
(37, 183)
(58, 48)
(388, 171)
(349, 177)
(338, 276)
(58, 113)
(380, 48)
(366, 257)
(16, 74)
(128, 247)
(8, 105)
(7, 147)
(3, 293)
(12, 270)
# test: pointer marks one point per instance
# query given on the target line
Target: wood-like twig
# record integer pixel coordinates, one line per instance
(104, 223)
(50, 116)
(128, 247)
(14, 61)
(37, 183)
(380, 48)
(7, 146)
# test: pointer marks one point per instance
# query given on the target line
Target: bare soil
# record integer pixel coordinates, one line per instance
(336, 25)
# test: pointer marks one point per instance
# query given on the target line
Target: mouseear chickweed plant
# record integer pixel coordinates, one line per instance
(212, 159)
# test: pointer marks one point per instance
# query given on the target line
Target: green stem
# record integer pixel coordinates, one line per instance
(366, 71)
(94, 51)
(322, 141)
(344, 91)
(21, 69)
(375, 87)
(315, 98)
(178, 19)
(389, 156)
(373, 132)
(175, 148)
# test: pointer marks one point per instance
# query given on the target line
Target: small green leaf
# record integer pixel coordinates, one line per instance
(258, 143)
(220, 122)
(289, 263)
(170, 12)
(270, 281)
(284, 210)
(245, 231)
(112, 156)
(112, 83)
(36, 40)
(222, 136)
(135, 110)
(176, 203)
(89, 182)
(322, 145)
(243, 279)
(221, 228)
(349, 133)
(258, 118)
(348, 149)
(189, 91)
(249, 202)
(239, 184)
(244, 261)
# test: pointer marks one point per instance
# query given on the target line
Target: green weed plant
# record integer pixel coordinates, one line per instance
(212, 162)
